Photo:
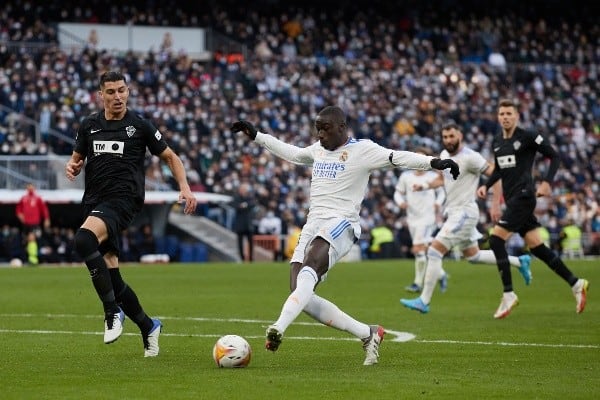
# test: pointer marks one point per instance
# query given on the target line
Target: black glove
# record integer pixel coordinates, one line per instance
(246, 127)
(437, 163)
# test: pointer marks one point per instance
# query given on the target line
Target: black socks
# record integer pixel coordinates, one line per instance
(129, 302)
(86, 245)
(498, 246)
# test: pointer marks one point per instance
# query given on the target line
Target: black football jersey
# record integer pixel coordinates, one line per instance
(514, 160)
(115, 152)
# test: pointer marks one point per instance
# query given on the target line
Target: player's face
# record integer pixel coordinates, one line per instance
(451, 139)
(331, 132)
(114, 95)
(508, 118)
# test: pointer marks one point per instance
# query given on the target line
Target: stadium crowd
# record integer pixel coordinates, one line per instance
(399, 71)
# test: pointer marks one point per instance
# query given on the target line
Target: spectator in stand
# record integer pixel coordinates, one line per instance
(244, 204)
(270, 223)
(378, 55)
(147, 244)
(32, 211)
(382, 240)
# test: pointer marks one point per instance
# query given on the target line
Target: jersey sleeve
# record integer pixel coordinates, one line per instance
(410, 160)
(496, 174)
(478, 164)
(377, 156)
(544, 147)
(81, 138)
(154, 139)
(289, 152)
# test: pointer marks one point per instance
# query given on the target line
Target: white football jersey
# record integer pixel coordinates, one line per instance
(460, 193)
(340, 177)
(420, 205)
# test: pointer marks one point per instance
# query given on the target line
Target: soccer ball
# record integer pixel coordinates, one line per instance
(232, 351)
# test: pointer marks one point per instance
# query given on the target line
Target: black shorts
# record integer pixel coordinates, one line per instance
(117, 214)
(518, 215)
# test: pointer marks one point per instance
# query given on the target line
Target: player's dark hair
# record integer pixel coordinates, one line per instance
(111, 76)
(450, 125)
(335, 112)
(507, 103)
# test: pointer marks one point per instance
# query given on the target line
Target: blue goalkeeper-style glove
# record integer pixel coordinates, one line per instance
(439, 164)
(246, 127)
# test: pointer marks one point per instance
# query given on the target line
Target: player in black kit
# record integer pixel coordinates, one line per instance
(114, 142)
(514, 151)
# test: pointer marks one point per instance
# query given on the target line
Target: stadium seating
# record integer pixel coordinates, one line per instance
(398, 84)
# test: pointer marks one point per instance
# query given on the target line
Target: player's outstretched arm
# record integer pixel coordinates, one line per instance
(281, 149)
(439, 164)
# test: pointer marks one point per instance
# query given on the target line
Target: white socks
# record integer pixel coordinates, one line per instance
(324, 311)
(420, 266)
(488, 257)
(298, 299)
(329, 314)
(433, 273)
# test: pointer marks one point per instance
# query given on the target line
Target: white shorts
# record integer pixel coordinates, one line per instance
(421, 233)
(460, 230)
(339, 232)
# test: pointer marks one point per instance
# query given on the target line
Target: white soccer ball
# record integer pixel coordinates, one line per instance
(16, 263)
(232, 351)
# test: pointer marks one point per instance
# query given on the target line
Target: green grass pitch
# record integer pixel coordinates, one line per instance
(51, 336)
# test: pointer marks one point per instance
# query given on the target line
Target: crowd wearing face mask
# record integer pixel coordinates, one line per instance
(398, 72)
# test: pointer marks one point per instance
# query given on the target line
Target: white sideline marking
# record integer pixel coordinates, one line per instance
(397, 336)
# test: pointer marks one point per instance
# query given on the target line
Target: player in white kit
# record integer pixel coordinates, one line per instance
(462, 212)
(341, 167)
(421, 207)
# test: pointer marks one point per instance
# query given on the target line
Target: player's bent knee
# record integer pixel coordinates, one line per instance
(496, 243)
(308, 273)
(433, 253)
(86, 243)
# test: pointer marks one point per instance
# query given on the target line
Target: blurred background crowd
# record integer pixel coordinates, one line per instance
(399, 71)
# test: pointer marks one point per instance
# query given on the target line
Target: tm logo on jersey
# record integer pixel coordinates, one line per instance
(108, 147)
(509, 161)
(327, 169)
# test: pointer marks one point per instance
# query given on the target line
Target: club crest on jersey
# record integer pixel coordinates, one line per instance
(130, 130)
(344, 156)
(517, 145)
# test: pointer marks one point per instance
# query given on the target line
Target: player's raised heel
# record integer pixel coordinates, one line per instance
(508, 302)
(274, 338)
(371, 344)
(525, 268)
(415, 304)
(113, 326)
(151, 348)
(414, 288)
(580, 289)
